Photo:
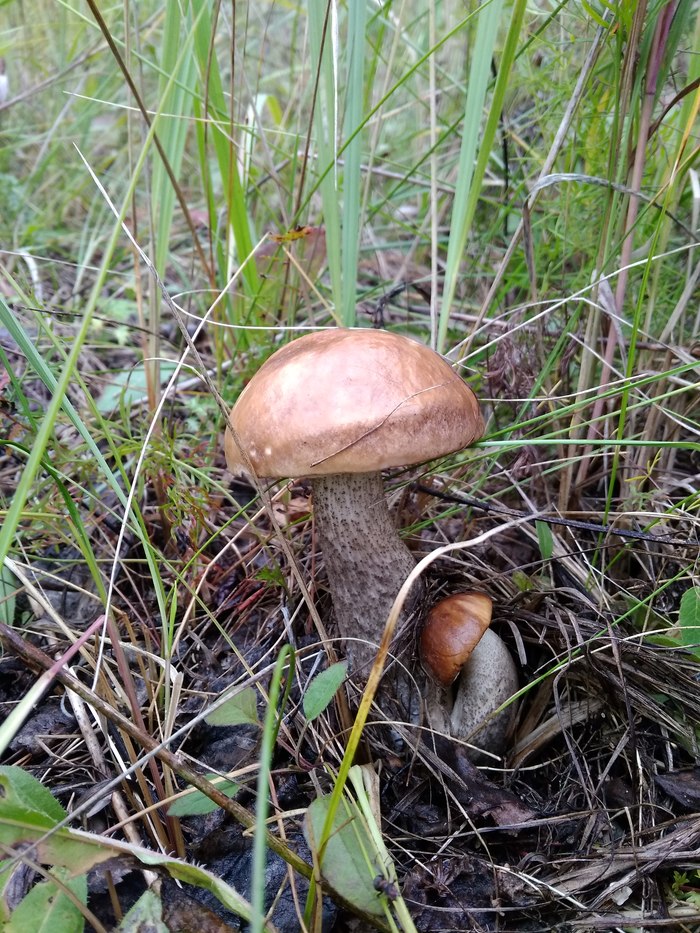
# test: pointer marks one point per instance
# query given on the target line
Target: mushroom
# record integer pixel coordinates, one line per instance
(339, 406)
(471, 669)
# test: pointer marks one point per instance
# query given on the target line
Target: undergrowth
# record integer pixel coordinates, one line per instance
(183, 188)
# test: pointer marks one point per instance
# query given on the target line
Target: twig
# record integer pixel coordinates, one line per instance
(552, 520)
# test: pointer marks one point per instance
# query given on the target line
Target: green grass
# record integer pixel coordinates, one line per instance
(183, 186)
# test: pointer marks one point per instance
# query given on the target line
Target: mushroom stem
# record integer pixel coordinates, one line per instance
(471, 672)
(465, 710)
(366, 561)
(488, 679)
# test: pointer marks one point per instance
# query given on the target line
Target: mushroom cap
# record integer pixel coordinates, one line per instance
(451, 632)
(350, 401)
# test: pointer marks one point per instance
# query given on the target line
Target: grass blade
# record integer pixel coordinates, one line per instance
(352, 223)
(325, 129)
(471, 175)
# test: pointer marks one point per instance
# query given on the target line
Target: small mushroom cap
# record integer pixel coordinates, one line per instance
(350, 401)
(452, 630)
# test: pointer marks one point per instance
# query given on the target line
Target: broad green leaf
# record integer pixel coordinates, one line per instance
(27, 810)
(239, 710)
(323, 688)
(78, 852)
(689, 618)
(7, 866)
(48, 909)
(197, 803)
(346, 861)
(130, 386)
(20, 792)
(201, 878)
(145, 915)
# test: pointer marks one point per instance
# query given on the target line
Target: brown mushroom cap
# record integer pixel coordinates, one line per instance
(451, 632)
(350, 401)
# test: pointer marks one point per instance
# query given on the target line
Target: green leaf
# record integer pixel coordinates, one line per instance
(324, 64)
(8, 588)
(78, 852)
(545, 540)
(239, 710)
(595, 15)
(689, 618)
(522, 581)
(7, 867)
(197, 803)
(278, 695)
(131, 386)
(21, 793)
(145, 915)
(234, 186)
(272, 575)
(48, 909)
(346, 862)
(323, 688)
(11, 323)
(69, 849)
(201, 878)
(351, 216)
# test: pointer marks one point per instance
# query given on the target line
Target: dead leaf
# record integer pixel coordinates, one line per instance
(475, 792)
(683, 786)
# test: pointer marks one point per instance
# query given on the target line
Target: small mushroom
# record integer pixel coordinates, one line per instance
(472, 671)
(340, 406)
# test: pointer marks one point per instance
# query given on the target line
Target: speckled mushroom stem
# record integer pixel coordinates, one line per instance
(366, 561)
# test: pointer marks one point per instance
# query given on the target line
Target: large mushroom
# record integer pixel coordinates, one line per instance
(339, 406)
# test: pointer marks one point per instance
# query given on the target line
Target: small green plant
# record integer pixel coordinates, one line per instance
(32, 825)
(686, 887)
(689, 620)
